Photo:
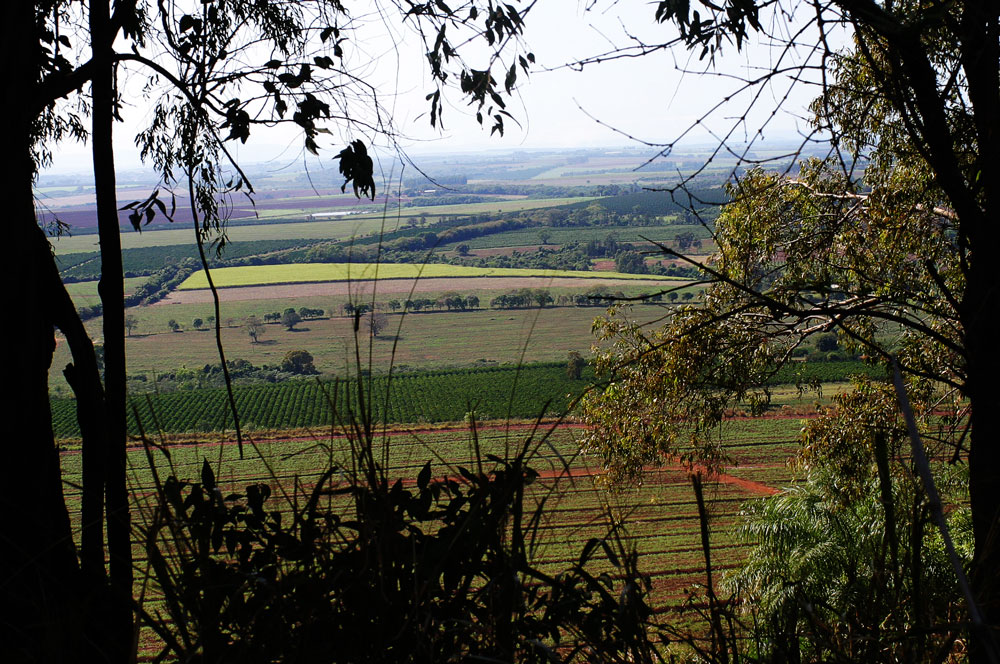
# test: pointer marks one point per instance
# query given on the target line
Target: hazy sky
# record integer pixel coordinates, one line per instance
(650, 98)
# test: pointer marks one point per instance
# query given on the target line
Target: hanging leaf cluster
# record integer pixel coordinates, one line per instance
(356, 165)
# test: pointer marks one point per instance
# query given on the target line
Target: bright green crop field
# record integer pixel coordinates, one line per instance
(257, 275)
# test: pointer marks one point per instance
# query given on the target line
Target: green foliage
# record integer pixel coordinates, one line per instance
(574, 365)
(290, 318)
(436, 570)
(827, 342)
(846, 565)
(441, 396)
(631, 262)
(298, 362)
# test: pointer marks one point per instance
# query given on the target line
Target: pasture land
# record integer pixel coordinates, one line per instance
(254, 275)
(340, 229)
(425, 340)
(432, 212)
(341, 292)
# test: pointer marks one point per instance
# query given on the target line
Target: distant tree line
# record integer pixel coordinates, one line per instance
(155, 289)
(294, 364)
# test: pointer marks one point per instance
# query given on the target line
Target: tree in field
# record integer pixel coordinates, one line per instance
(827, 342)
(290, 318)
(298, 362)
(131, 322)
(254, 328)
(687, 240)
(197, 323)
(630, 261)
(893, 231)
(541, 297)
(173, 325)
(376, 322)
(574, 365)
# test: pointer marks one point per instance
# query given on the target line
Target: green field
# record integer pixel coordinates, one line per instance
(84, 293)
(426, 397)
(659, 517)
(340, 229)
(562, 235)
(426, 340)
(256, 275)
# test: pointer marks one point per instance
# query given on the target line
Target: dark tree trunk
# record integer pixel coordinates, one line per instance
(979, 31)
(112, 293)
(983, 351)
(38, 567)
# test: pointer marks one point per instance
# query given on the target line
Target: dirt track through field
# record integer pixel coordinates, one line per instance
(390, 287)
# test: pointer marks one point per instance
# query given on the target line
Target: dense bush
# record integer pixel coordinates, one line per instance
(440, 570)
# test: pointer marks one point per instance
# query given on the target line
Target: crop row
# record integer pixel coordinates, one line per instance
(445, 397)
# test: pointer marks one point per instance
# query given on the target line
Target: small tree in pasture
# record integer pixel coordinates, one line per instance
(376, 322)
(254, 328)
(290, 318)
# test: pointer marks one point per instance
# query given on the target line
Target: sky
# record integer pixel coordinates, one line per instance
(653, 99)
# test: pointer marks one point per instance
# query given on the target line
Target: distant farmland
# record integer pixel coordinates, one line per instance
(259, 275)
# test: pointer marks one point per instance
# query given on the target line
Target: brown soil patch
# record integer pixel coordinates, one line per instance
(386, 287)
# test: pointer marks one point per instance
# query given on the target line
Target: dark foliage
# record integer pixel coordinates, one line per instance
(366, 570)
(356, 165)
